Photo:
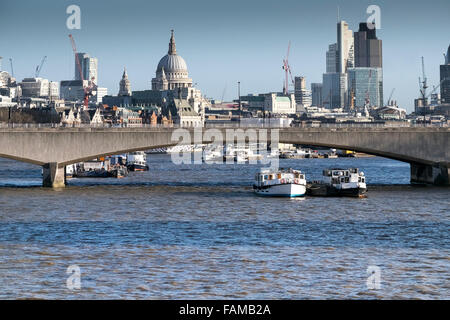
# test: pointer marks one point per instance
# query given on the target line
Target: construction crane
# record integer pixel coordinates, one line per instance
(12, 69)
(368, 88)
(223, 93)
(423, 84)
(436, 87)
(287, 70)
(390, 97)
(39, 67)
(91, 84)
(328, 100)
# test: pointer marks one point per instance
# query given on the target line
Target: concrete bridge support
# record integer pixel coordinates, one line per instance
(438, 174)
(53, 175)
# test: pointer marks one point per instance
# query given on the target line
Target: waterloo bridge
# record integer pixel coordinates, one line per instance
(426, 149)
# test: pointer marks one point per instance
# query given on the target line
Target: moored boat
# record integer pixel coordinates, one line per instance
(280, 183)
(339, 182)
(137, 161)
(70, 170)
(95, 173)
(118, 172)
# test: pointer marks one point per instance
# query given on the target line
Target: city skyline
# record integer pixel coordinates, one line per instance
(122, 35)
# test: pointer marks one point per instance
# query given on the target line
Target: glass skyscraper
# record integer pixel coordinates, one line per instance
(89, 67)
(366, 83)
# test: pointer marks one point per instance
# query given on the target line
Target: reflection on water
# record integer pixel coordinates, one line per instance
(197, 231)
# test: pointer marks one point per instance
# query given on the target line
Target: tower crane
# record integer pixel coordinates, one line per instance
(91, 84)
(390, 97)
(12, 69)
(287, 70)
(423, 84)
(436, 87)
(368, 88)
(223, 92)
(39, 67)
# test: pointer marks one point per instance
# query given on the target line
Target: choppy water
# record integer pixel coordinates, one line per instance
(197, 231)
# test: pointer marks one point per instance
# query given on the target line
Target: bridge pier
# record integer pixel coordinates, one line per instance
(438, 174)
(53, 176)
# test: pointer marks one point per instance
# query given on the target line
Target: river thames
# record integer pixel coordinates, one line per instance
(199, 232)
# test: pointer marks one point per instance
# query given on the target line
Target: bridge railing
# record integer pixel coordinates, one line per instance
(4, 125)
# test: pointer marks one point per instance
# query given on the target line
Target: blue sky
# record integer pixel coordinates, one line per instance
(222, 41)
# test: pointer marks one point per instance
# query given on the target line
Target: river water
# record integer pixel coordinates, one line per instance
(198, 232)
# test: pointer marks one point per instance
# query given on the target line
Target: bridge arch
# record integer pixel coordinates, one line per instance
(57, 147)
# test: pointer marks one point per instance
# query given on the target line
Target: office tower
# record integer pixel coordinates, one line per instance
(331, 58)
(316, 94)
(302, 95)
(89, 67)
(445, 79)
(366, 85)
(334, 84)
(334, 90)
(368, 48)
(39, 88)
(345, 58)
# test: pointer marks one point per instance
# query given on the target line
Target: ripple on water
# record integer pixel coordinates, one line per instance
(200, 233)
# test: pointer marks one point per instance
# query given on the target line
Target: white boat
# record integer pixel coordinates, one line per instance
(137, 161)
(70, 170)
(185, 148)
(212, 154)
(280, 183)
(340, 182)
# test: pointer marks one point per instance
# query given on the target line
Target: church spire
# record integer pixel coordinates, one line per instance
(172, 48)
(124, 85)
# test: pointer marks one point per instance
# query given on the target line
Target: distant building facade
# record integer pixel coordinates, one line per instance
(73, 90)
(316, 94)
(331, 58)
(39, 88)
(89, 67)
(280, 103)
(334, 90)
(368, 48)
(302, 95)
(345, 47)
(445, 79)
(366, 84)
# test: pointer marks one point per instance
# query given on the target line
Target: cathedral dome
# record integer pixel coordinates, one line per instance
(172, 71)
(172, 63)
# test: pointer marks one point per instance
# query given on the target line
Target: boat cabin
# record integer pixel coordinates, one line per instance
(341, 176)
(282, 176)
